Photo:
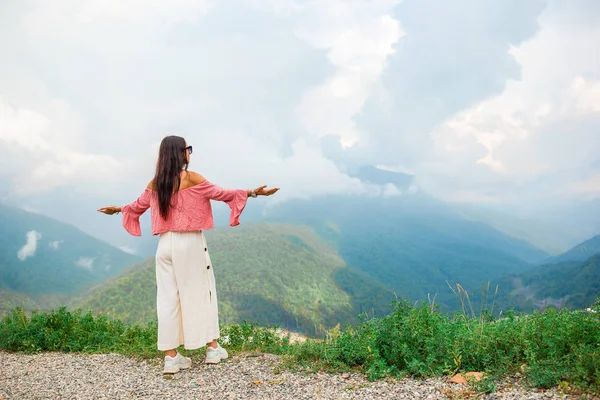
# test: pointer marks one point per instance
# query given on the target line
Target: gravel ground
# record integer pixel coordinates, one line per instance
(111, 376)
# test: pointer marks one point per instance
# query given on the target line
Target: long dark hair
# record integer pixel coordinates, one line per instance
(171, 161)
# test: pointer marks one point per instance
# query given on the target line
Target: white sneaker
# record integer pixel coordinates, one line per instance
(174, 364)
(214, 356)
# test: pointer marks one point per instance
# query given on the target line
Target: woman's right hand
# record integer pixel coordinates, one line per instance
(263, 191)
(110, 210)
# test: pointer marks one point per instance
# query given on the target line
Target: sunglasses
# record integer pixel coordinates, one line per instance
(189, 148)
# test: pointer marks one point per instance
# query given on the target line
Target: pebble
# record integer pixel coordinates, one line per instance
(111, 376)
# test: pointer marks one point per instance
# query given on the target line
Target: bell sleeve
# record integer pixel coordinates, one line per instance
(236, 199)
(132, 212)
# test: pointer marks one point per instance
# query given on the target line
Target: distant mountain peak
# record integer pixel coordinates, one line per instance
(581, 252)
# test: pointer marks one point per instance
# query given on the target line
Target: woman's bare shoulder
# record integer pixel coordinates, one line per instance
(188, 179)
(195, 178)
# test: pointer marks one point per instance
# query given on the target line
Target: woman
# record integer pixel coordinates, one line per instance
(180, 210)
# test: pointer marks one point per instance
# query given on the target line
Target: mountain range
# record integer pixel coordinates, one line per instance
(328, 263)
(413, 243)
(304, 264)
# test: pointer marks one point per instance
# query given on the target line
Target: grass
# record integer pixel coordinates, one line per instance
(78, 332)
(550, 348)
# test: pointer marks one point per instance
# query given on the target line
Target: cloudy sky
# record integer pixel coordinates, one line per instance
(492, 102)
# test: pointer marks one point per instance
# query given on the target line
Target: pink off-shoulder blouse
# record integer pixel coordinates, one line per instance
(191, 209)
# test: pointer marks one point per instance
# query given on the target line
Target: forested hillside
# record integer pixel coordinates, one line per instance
(266, 273)
(572, 284)
(413, 243)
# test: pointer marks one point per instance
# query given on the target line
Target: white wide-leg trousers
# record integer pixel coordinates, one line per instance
(186, 292)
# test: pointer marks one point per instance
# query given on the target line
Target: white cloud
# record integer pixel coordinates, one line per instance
(76, 15)
(543, 127)
(23, 127)
(69, 167)
(476, 101)
(391, 190)
(28, 250)
(85, 262)
(588, 188)
(55, 244)
(305, 170)
(358, 37)
(585, 95)
(37, 137)
(278, 7)
(128, 249)
(450, 58)
(97, 125)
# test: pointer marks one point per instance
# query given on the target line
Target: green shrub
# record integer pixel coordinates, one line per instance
(549, 347)
(74, 331)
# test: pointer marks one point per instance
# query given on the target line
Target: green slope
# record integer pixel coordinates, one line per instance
(266, 273)
(65, 260)
(414, 244)
(572, 284)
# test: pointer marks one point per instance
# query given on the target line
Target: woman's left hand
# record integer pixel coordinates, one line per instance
(110, 210)
(263, 191)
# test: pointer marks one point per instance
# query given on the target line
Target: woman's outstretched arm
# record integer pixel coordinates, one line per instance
(218, 193)
(235, 198)
(131, 213)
